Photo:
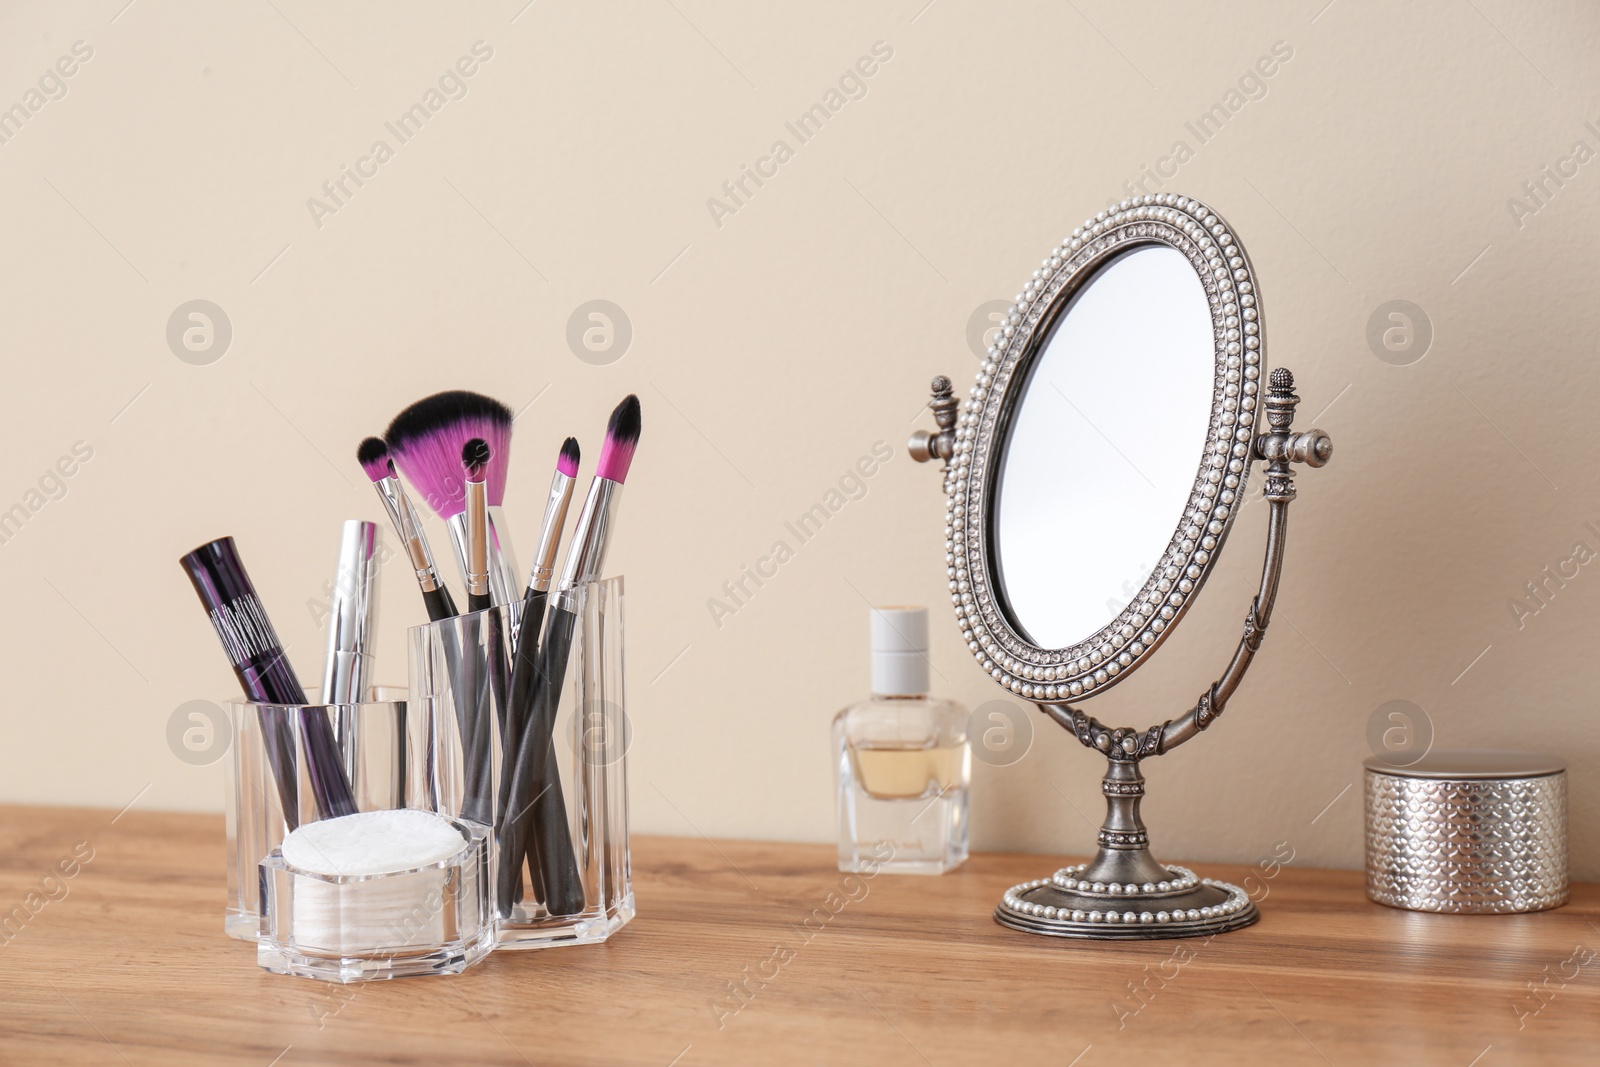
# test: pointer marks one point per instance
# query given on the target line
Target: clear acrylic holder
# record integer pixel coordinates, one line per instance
(385, 756)
(379, 769)
(460, 679)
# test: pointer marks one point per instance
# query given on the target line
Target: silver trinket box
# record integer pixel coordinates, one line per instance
(1469, 831)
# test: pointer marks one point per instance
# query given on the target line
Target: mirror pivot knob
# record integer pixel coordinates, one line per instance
(1313, 448)
(925, 446)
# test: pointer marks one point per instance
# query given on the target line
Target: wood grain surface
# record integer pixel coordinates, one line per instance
(125, 962)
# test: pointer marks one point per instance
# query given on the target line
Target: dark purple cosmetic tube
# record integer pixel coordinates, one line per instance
(265, 674)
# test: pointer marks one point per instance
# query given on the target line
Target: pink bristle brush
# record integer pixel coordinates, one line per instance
(426, 440)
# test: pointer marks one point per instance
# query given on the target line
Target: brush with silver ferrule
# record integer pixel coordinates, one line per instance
(527, 641)
(373, 455)
(426, 441)
(555, 517)
(536, 822)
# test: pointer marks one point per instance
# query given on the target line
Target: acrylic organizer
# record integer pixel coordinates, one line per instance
(326, 916)
(256, 820)
(460, 671)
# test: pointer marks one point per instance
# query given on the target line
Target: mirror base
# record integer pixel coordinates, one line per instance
(1123, 893)
(1185, 905)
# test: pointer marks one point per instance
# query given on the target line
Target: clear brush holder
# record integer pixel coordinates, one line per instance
(577, 826)
(330, 916)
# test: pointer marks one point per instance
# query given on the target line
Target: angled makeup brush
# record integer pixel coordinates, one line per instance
(537, 820)
(527, 642)
(426, 441)
(373, 455)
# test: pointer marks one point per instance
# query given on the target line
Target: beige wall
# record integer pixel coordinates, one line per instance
(773, 346)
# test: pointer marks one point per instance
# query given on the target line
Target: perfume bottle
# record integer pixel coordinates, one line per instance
(903, 760)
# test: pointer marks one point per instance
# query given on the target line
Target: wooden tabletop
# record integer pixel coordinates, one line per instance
(125, 962)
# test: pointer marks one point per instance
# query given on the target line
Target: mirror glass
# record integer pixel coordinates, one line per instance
(1103, 445)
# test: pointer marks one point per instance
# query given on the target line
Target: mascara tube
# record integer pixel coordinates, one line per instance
(264, 673)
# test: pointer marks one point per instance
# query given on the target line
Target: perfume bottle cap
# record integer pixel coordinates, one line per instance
(899, 651)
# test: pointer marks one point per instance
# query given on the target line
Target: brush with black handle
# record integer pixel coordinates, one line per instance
(527, 641)
(474, 669)
(536, 822)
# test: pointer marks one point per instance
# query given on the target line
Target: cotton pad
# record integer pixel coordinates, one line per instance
(358, 890)
(372, 842)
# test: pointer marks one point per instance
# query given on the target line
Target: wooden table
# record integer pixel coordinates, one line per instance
(128, 964)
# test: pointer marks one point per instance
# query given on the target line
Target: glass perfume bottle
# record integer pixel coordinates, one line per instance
(903, 760)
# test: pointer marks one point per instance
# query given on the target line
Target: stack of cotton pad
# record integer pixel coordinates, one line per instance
(380, 884)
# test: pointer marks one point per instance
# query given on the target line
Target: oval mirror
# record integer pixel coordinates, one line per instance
(1086, 503)
(1101, 458)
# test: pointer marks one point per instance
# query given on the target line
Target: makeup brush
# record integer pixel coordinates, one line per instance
(555, 518)
(527, 641)
(527, 645)
(373, 455)
(475, 455)
(539, 812)
(425, 441)
(265, 675)
(475, 458)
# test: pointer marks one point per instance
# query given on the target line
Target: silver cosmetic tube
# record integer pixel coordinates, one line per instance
(347, 673)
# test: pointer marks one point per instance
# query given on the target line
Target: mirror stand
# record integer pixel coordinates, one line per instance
(1123, 893)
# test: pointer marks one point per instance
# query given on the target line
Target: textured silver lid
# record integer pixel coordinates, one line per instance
(1472, 764)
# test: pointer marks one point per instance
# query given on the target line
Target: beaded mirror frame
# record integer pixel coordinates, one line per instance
(1123, 892)
(1103, 658)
